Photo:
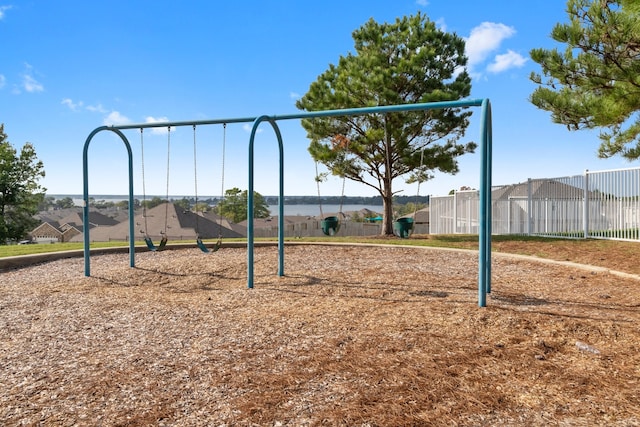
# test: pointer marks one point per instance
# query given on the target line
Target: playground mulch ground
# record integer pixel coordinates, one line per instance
(352, 335)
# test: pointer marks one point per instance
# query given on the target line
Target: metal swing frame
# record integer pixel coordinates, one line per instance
(484, 257)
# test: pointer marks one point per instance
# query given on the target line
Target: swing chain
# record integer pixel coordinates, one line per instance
(166, 209)
(415, 207)
(195, 179)
(224, 143)
(319, 197)
(144, 194)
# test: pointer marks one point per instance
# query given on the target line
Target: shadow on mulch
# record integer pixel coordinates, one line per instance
(520, 299)
(217, 275)
(432, 294)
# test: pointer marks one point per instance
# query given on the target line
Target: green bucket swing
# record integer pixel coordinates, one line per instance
(403, 227)
(331, 224)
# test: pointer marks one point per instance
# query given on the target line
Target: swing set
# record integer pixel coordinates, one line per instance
(163, 242)
(484, 252)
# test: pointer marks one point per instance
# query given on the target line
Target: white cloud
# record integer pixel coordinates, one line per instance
(483, 40)
(294, 95)
(3, 81)
(506, 61)
(2, 10)
(422, 3)
(96, 108)
(441, 24)
(157, 131)
(115, 118)
(247, 128)
(151, 119)
(30, 84)
(73, 106)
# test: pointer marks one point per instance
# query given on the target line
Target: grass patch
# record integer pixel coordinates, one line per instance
(17, 250)
(459, 241)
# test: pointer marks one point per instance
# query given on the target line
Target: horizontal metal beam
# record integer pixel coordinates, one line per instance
(308, 114)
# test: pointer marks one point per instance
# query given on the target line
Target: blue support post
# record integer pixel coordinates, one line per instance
(250, 200)
(484, 244)
(85, 198)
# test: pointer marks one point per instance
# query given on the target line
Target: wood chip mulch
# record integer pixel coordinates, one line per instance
(353, 336)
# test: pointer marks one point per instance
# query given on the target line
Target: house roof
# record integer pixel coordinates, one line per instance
(540, 189)
(46, 228)
(95, 219)
(176, 222)
(420, 216)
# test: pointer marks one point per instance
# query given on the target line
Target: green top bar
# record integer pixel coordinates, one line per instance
(312, 114)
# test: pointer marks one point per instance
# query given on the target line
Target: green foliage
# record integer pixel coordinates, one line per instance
(124, 204)
(46, 203)
(184, 204)
(201, 207)
(64, 203)
(234, 205)
(594, 82)
(408, 61)
(149, 204)
(100, 204)
(20, 191)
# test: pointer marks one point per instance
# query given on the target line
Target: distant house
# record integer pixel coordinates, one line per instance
(65, 228)
(167, 218)
(542, 206)
(47, 232)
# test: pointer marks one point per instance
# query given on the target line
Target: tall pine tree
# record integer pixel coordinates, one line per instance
(405, 62)
(594, 83)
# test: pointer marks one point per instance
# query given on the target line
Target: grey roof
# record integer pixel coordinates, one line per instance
(176, 222)
(540, 189)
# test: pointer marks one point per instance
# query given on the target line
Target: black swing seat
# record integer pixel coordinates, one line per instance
(218, 244)
(204, 247)
(163, 243)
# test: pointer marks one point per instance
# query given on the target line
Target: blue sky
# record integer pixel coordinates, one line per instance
(68, 67)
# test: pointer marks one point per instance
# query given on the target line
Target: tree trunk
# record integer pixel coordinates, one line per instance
(387, 192)
(387, 221)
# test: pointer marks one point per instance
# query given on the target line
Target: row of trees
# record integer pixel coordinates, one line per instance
(593, 83)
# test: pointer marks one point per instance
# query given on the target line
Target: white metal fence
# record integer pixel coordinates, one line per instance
(603, 204)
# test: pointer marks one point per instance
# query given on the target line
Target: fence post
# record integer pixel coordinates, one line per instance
(454, 225)
(585, 204)
(509, 214)
(529, 207)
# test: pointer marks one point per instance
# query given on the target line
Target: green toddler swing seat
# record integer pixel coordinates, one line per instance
(403, 227)
(330, 225)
